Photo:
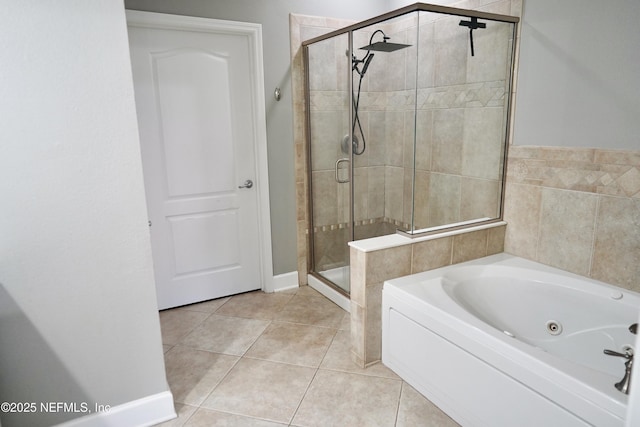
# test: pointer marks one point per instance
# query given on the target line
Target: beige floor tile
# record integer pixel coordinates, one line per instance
(184, 412)
(345, 399)
(206, 306)
(307, 291)
(255, 305)
(338, 358)
(416, 410)
(192, 374)
(293, 343)
(346, 323)
(175, 324)
(223, 334)
(261, 389)
(209, 418)
(317, 311)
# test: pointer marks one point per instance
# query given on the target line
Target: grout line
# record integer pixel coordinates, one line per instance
(541, 205)
(399, 401)
(594, 234)
(324, 356)
(238, 358)
(304, 395)
(190, 416)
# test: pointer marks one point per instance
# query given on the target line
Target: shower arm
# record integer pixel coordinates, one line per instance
(384, 36)
(366, 59)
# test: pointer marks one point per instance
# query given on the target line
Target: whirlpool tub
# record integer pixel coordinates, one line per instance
(503, 341)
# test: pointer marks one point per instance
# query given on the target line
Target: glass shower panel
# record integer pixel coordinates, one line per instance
(407, 127)
(462, 110)
(384, 81)
(329, 164)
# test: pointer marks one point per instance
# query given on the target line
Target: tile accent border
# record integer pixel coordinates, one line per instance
(577, 209)
(590, 170)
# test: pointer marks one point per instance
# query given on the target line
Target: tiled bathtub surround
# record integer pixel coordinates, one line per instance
(369, 270)
(576, 209)
(572, 208)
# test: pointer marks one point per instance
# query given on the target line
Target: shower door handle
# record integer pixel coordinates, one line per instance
(338, 180)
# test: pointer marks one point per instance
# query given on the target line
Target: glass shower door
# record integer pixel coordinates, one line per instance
(329, 167)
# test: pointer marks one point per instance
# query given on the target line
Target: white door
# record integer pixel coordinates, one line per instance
(194, 95)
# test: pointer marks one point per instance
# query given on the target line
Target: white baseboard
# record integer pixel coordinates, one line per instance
(147, 411)
(285, 281)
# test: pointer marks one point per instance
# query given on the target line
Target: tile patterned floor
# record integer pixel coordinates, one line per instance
(279, 359)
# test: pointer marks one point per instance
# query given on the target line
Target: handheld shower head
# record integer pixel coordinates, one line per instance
(382, 46)
(366, 64)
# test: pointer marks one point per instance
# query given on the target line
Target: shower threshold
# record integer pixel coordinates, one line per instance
(340, 278)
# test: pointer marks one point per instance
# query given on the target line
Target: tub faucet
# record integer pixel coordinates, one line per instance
(625, 383)
(634, 329)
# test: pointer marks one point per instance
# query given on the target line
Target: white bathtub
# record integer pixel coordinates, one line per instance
(478, 340)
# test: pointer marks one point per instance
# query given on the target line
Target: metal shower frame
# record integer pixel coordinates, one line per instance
(416, 7)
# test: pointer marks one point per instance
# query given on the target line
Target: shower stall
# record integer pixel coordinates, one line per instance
(407, 118)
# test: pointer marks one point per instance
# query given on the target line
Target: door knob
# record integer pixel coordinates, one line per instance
(247, 184)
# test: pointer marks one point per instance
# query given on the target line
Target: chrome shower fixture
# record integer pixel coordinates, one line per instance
(473, 24)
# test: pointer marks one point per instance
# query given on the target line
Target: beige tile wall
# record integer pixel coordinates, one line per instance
(369, 270)
(301, 28)
(387, 174)
(574, 209)
(366, 298)
(577, 209)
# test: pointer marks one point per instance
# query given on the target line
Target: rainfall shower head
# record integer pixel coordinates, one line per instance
(384, 45)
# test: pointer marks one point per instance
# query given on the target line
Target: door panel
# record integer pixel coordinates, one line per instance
(192, 89)
(196, 241)
(193, 96)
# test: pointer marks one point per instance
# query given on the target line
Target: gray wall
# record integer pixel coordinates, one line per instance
(577, 86)
(78, 313)
(579, 77)
(274, 17)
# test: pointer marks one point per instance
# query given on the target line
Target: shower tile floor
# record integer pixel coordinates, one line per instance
(279, 359)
